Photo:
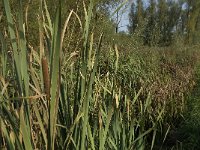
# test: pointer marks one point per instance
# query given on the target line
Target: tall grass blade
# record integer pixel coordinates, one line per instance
(11, 146)
(3, 55)
(84, 70)
(11, 119)
(24, 131)
(55, 77)
(41, 123)
(118, 8)
(11, 29)
(109, 116)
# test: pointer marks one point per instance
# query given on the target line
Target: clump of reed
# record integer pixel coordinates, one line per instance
(52, 98)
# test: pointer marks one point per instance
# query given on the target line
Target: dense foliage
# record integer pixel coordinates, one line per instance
(165, 20)
(69, 79)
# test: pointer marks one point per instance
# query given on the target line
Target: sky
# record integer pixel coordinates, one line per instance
(124, 19)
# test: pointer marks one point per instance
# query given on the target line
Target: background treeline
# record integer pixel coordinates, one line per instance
(159, 22)
(71, 79)
(162, 22)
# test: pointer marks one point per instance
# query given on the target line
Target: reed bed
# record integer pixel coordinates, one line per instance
(89, 96)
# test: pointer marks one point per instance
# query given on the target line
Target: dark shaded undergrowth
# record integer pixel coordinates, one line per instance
(185, 134)
(190, 128)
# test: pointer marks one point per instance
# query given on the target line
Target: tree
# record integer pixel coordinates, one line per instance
(151, 30)
(193, 15)
(162, 20)
(139, 13)
(136, 16)
(174, 13)
(132, 19)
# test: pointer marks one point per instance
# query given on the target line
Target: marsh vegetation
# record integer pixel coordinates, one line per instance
(71, 79)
